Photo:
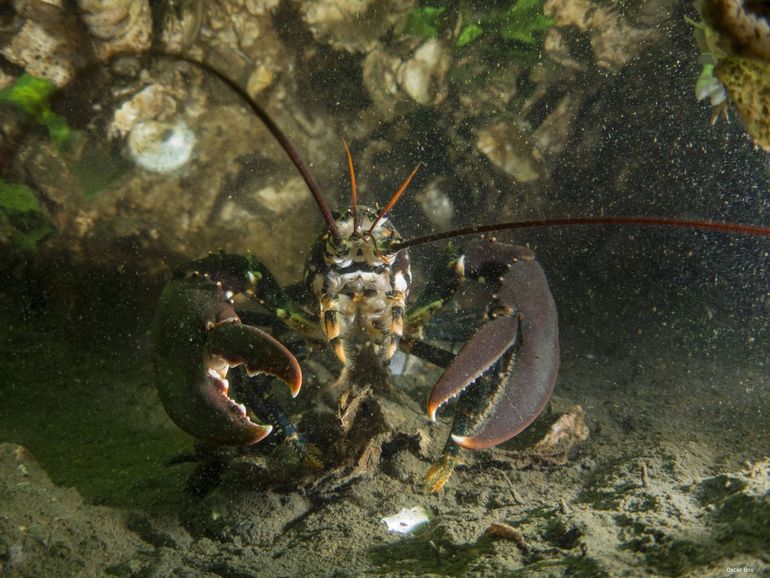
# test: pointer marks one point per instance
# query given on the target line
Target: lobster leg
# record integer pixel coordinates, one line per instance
(260, 398)
(444, 281)
(197, 338)
(506, 372)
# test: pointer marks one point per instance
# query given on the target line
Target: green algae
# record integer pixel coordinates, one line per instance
(32, 95)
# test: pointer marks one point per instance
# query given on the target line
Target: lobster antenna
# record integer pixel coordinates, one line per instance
(733, 228)
(277, 133)
(394, 199)
(352, 186)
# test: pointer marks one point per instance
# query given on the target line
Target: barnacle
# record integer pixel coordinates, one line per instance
(118, 25)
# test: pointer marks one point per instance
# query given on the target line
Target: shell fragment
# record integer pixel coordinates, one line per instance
(407, 520)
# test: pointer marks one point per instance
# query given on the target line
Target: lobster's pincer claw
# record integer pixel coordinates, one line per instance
(483, 350)
(197, 337)
(513, 357)
(232, 344)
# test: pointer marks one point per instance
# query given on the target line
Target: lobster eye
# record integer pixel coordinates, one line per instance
(339, 247)
(384, 245)
(336, 215)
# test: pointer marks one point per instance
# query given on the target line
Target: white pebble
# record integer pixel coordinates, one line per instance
(407, 520)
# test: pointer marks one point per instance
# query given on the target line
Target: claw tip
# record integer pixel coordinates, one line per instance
(475, 443)
(461, 441)
(261, 432)
(296, 385)
(293, 377)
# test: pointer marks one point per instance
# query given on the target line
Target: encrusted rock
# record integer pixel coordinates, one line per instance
(735, 53)
(614, 41)
(424, 76)
(380, 72)
(352, 25)
(557, 50)
(291, 194)
(741, 27)
(181, 26)
(421, 79)
(237, 37)
(118, 25)
(509, 148)
(151, 102)
(45, 47)
(40, 10)
(565, 433)
(552, 136)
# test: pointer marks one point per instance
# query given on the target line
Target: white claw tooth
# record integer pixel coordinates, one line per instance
(219, 380)
(241, 409)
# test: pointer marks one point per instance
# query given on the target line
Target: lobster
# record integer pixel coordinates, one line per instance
(357, 287)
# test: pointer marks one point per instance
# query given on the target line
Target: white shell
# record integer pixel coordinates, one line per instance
(398, 364)
(407, 520)
(161, 147)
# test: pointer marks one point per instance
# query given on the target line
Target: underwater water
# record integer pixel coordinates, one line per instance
(119, 162)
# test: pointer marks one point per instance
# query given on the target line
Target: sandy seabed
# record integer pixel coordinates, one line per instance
(673, 479)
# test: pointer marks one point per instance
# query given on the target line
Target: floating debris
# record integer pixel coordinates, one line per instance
(436, 204)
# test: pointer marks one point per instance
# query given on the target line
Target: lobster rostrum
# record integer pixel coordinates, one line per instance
(359, 276)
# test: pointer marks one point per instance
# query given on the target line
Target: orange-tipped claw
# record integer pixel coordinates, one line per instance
(489, 343)
(197, 337)
(257, 351)
(520, 344)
